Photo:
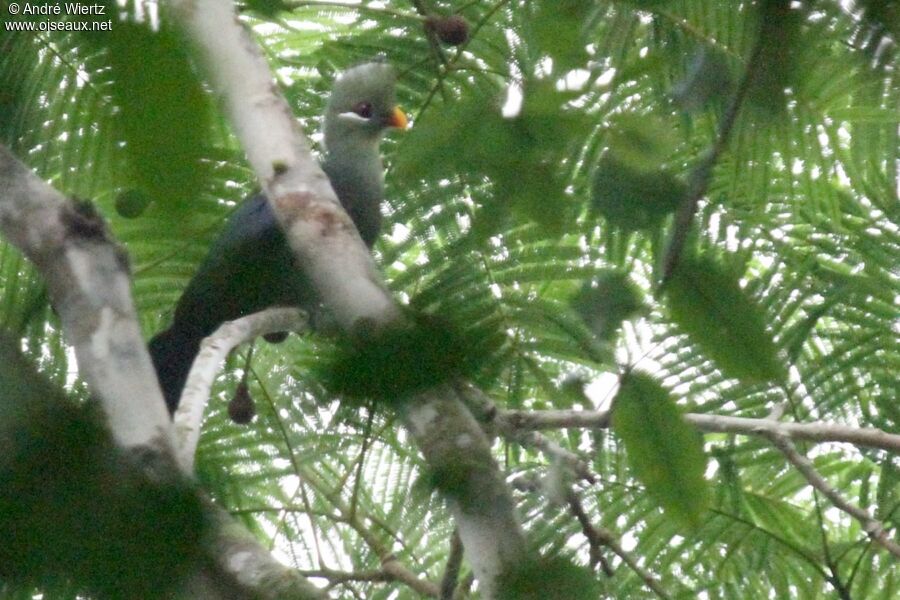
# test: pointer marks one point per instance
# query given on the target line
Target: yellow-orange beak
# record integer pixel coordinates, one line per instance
(398, 119)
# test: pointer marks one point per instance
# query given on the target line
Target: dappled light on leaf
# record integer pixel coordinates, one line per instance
(555, 578)
(664, 452)
(705, 300)
(519, 155)
(391, 365)
(606, 301)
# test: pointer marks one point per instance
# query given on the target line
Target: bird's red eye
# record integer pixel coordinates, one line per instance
(363, 109)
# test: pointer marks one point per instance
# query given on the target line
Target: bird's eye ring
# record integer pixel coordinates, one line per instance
(363, 109)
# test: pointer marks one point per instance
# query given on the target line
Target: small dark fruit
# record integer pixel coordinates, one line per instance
(452, 30)
(276, 337)
(242, 408)
(131, 203)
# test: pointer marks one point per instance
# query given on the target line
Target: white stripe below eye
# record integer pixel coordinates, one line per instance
(352, 116)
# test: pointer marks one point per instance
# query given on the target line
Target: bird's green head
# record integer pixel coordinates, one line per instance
(363, 102)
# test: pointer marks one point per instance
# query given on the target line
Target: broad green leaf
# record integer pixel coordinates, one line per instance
(632, 199)
(631, 186)
(164, 116)
(558, 31)
(555, 578)
(520, 155)
(664, 452)
(641, 142)
(706, 302)
(707, 81)
(606, 301)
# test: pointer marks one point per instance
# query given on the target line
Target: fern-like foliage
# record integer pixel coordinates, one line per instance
(503, 233)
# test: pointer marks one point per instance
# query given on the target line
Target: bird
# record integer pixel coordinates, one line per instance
(250, 267)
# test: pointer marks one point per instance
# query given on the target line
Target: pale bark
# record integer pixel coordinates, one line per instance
(818, 431)
(213, 350)
(89, 282)
(322, 236)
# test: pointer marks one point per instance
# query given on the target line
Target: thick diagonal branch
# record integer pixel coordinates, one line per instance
(337, 262)
(89, 282)
(88, 278)
(700, 177)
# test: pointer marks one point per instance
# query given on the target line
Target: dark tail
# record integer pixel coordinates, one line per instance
(173, 352)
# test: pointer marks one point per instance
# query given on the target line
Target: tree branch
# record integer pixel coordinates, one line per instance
(89, 283)
(873, 527)
(88, 279)
(340, 268)
(213, 350)
(451, 571)
(818, 432)
(698, 181)
(596, 535)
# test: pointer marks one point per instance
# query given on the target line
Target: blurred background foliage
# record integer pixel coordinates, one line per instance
(530, 206)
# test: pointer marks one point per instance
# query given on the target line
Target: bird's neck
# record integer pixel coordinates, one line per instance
(362, 151)
(354, 167)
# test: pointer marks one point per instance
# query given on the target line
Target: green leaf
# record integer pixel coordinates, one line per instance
(709, 305)
(520, 155)
(631, 187)
(865, 114)
(554, 578)
(75, 507)
(607, 301)
(131, 204)
(642, 142)
(267, 9)
(164, 117)
(558, 31)
(393, 364)
(707, 81)
(664, 452)
(888, 491)
(632, 199)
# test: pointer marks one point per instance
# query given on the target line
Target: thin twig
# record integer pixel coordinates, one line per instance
(817, 431)
(633, 564)
(430, 33)
(335, 577)
(449, 66)
(555, 452)
(597, 537)
(873, 527)
(702, 173)
(451, 571)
